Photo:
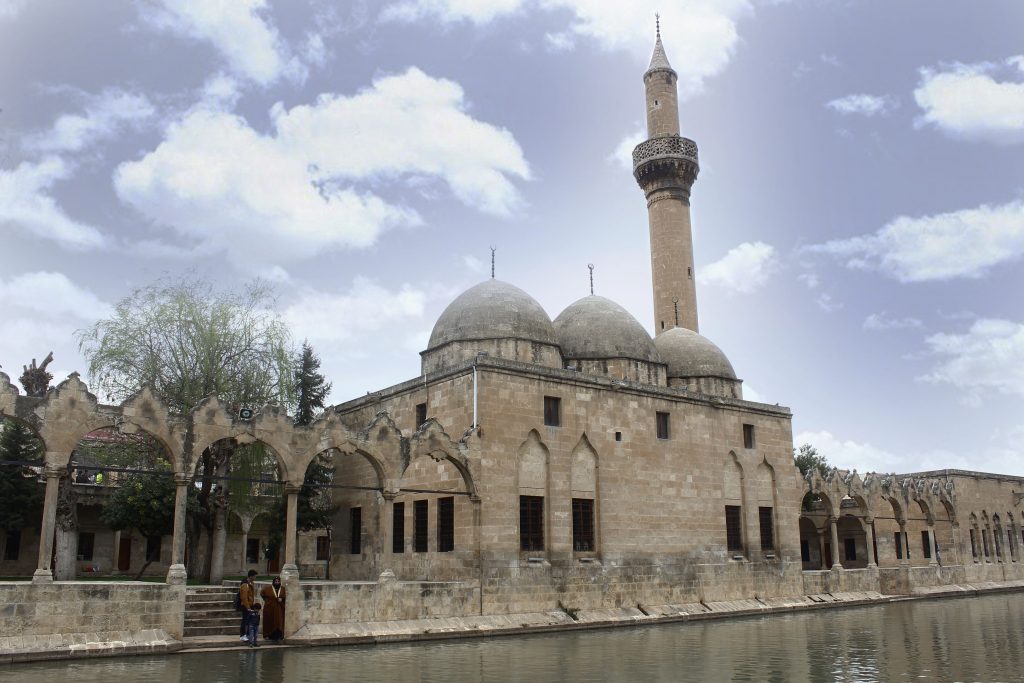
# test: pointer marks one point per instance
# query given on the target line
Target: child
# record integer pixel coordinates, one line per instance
(252, 624)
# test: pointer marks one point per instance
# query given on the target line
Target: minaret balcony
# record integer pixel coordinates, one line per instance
(664, 147)
(665, 162)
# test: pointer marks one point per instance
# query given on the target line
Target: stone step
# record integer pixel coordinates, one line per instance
(209, 599)
(224, 630)
(211, 589)
(211, 613)
(223, 621)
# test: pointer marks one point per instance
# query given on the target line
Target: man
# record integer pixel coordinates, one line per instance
(246, 599)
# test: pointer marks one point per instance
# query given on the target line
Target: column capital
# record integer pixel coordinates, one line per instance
(54, 471)
(182, 479)
(290, 488)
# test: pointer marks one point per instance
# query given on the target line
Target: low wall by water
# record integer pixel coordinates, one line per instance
(95, 618)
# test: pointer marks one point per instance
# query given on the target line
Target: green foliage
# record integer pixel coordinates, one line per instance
(144, 502)
(187, 341)
(311, 389)
(21, 492)
(807, 458)
(316, 508)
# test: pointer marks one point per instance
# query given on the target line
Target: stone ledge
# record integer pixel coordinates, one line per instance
(79, 645)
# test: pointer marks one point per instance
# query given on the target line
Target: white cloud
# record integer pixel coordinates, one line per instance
(26, 204)
(105, 116)
(238, 29)
(42, 310)
(561, 41)
(865, 105)
(849, 455)
(883, 321)
(827, 302)
(743, 270)
(473, 263)
(290, 195)
(988, 358)
(332, 317)
(623, 153)
(700, 37)
(965, 243)
(11, 8)
(965, 101)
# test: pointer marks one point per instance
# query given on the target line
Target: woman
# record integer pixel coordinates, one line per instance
(273, 610)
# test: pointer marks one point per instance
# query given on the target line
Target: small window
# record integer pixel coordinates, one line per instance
(995, 538)
(86, 540)
(764, 516)
(252, 551)
(748, 436)
(733, 529)
(153, 544)
(897, 539)
(984, 541)
(662, 324)
(662, 422)
(805, 551)
(355, 519)
(974, 545)
(926, 547)
(618, 436)
(906, 543)
(850, 549)
(552, 411)
(445, 524)
(12, 548)
(323, 548)
(531, 522)
(398, 528)
(583, 525)
(689, 272)
(419, 526)
(421, 414)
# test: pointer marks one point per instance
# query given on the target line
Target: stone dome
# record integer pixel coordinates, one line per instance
(597, 328)
(688, 354)
(493, 310)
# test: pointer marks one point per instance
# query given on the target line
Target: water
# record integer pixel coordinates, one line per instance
(963, 639)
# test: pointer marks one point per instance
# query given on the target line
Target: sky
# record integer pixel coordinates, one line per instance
(858, 218)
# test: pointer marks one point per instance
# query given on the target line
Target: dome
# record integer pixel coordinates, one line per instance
(688, 354)
(493, 310)
(598, 328)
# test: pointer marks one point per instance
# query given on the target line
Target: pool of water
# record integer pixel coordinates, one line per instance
(961, 639)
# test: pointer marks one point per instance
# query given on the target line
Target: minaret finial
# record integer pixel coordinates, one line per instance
(675, 305)
(591, 267)
(657, 24)
(492, 262)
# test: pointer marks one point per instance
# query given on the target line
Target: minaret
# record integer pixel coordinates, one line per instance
(665, 166)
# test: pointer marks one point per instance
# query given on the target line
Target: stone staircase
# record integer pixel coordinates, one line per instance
(210, 611)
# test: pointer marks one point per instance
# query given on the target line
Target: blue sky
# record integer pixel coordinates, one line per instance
(858, 219)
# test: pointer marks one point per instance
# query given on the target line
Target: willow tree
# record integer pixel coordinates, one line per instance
(187, 340)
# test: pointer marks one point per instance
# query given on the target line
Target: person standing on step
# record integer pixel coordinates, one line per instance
(252, 625)
(273, 610)
(246, 599)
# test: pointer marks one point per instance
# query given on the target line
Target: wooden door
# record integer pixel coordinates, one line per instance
(124, 555)
(274, 562)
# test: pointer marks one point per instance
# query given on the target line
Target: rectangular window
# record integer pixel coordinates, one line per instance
(748, 436)
(86, 539)
(850, 549)
(926, 547)
(398, 528)
(13, 546)
(153, 544)
(421, 414)
(974, 545)
(764, 516)
(662, 422)
(897, 538)
(995, 537)
(906, 543)
(323, 548)
(531, 522)
(583, 525)
(552, 411)
(445, 525)
(805, 551)
(252, 550)
(733, 529)
(984, 541)
(419, 526)
(355, 525)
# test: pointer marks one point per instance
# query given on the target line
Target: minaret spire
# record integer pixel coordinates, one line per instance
(665, 166)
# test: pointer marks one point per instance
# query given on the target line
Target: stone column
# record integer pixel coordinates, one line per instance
(116, 555)
(291, 521)
(870, 529)
(933, 561)
(821, 548)
(834, 524)
(43, 573)
(176, 573)
(386, 530)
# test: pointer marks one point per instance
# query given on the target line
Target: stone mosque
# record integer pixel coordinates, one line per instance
(574, 467)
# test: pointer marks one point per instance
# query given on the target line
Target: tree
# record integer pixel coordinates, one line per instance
(311, 389)
(21, 494)
(807, 458)
(187, 341)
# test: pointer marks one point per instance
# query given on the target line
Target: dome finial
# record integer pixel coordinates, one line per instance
(657, 25)
(591, 267)
(675, 305)
(492, 262)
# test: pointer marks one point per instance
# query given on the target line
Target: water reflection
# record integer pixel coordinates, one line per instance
(944, 640)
